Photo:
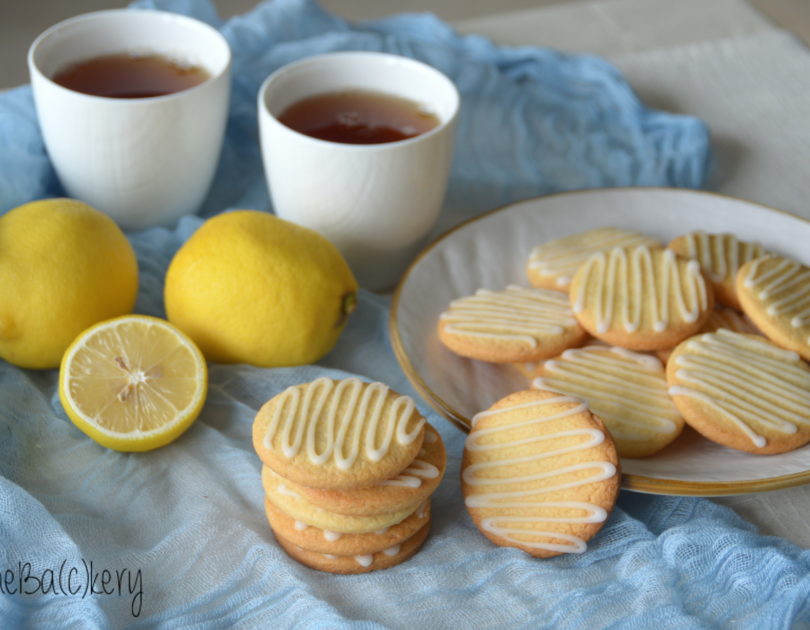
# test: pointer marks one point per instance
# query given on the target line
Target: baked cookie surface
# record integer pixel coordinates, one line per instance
(516, 324)
(720, 256)
(742, 391)
(338, 434)
(539, 473)
(362, 563)
(641, 298)
(624, 389)
(301, 509)
(553, 264)
(337, 543)
(775, 293)
(414, 484)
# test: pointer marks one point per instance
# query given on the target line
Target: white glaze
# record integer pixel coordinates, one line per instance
(480, 440)
(303, 413)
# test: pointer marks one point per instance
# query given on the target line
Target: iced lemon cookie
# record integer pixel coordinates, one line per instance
(641, 298)
(742, 391)
(553, 264)
(358, 563)
(414, 484)
(539, 473)
(720, 256)
(337, 543)
(301, 509)
(624, 389)
(517, 324)
(775, 294)
(720, 317)
(338, 434)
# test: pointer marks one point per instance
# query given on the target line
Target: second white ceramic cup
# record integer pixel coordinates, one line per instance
(375, 202)
(144, 161)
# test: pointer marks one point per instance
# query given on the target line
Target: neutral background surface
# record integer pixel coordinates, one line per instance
(21, 22)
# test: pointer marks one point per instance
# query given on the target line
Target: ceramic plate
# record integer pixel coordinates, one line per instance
(491, 251)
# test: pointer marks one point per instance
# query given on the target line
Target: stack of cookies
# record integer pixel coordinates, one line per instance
(348, 471)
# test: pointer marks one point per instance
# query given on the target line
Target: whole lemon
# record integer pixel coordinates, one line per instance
(63, 267)
(249, 287)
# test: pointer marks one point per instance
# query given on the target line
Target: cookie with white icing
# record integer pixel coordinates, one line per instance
(365, 563)
(553, 264)
(626, 390)
(720, 256)
(539, 473)
(340, 544)
(516, 324)
(742, 391)
(641, 298)
(720, 317)
(301, 509)
(338, 434)
(775, 293)
(414, 484)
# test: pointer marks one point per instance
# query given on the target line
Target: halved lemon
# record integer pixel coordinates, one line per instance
(133, 383)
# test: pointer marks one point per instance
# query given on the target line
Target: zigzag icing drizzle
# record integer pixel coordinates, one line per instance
(784, 288)
(721, 255)
(518, 313)
(622, 274)
(478, 441)
(299, 416)
(418, 469)
(748, 380)
(563, 256)
(623, 388)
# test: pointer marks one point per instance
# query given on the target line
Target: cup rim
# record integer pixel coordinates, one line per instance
(264, 112)
(33, 67)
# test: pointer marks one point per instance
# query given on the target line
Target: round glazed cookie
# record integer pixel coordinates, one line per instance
(325, 541)
(720, 256)
(775, 293)
(414, 484)
(720, 317)
(332, 563)
(624, 389)
(517, 324)
(338, 434)
(641, 298)
(539, 473)
(299, 508)
(742, 391)
(553, 264)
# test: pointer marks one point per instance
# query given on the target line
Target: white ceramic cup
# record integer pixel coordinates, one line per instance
(375, 202)
(144, 161)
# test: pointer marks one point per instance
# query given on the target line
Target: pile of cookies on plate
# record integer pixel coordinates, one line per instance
(708, 330)
(349, 467)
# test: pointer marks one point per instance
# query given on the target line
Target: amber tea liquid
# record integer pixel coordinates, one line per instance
(128, 76)
(358, 117)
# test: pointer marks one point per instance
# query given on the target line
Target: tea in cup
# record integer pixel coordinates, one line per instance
(358, 146)
(132, 105)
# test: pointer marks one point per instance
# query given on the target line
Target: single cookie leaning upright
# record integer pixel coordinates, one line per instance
(625, 390)
(720, 256)
(553, 264)
(775, 294)
(742, 391)
(539, 473)
(338, 434)
(518, 324)
(641, 298)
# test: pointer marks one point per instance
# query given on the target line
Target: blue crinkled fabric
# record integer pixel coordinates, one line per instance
(181, 531)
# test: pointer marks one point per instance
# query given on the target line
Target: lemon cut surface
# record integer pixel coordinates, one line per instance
(133, 383)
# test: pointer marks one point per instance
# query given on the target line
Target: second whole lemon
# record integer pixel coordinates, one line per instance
(249, 287)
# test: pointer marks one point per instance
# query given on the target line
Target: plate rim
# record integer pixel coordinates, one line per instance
(630, 481)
